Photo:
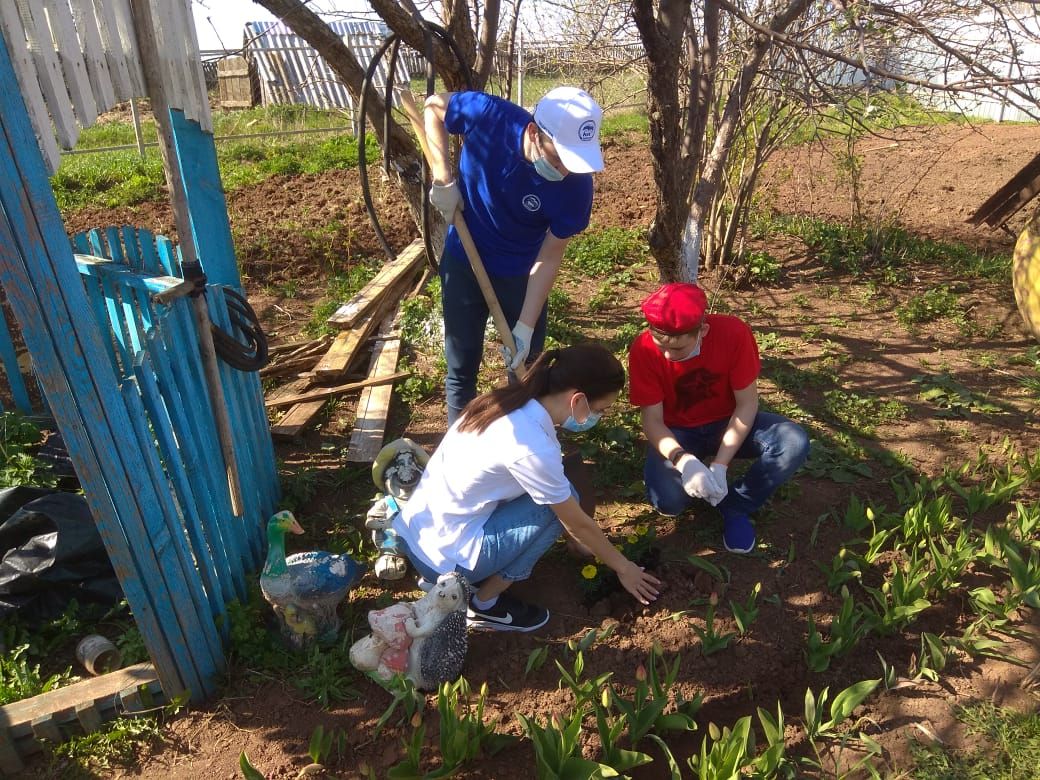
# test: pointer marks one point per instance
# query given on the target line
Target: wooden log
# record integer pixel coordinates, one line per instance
(383, 284)
(323, 393)
(370, 418)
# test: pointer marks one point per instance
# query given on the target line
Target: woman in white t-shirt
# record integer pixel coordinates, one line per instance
(494, 497)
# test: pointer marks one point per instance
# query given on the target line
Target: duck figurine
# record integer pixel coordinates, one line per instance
(306, 588)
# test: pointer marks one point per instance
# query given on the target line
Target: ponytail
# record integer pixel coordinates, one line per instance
(588, 368)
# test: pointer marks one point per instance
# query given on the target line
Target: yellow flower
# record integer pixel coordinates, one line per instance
(643, 529)
(631, 538)
(589, 571)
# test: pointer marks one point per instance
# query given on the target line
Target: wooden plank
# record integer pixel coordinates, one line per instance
(179, 568)
(28, 84)
(92, 690)
(70, 55)
(200, 441)
(46, 294)
(88, 716)
(207, 207)
(45, 727)
(48, 71)
(124, 19)
(293, 422)
(323, 393)
(347, 315)
(370, 418)
(94, 54)
(188, 472)
(249, 523)
(201, 112)
(118, 68)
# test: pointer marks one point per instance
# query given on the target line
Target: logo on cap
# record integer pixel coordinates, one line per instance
(532, 202)
(587, 131)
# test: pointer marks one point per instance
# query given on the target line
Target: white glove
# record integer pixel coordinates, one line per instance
(522, 336)
(697, 479)
(447, 199)
(718, 473)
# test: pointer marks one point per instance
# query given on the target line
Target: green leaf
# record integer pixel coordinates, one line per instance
(249, 772)
(706, 565)
(673, 765)
(850, 698)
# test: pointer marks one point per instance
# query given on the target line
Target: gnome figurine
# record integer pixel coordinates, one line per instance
(396, 471)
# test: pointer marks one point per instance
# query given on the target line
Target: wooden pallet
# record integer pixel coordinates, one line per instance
(80, 708)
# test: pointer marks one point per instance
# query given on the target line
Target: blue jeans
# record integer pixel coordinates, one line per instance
(516, 535)
(778, 445)
(465, 317)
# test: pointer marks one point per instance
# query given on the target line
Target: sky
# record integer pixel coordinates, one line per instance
(220, 23)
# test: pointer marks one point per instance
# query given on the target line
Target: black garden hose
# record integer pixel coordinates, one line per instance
(245, 327)
(429, 29)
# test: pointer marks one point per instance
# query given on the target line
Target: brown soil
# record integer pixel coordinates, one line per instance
(929, 180)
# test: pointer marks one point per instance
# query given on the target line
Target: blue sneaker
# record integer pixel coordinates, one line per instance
(738, 534)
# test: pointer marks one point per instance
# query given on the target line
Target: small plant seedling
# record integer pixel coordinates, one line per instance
(536, 659)
(745, 614)
(711, 640)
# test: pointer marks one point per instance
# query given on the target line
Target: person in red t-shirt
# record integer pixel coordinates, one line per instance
(694, 377)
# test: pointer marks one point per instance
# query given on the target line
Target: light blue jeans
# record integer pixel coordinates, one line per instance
(516, 535)
(778, 446)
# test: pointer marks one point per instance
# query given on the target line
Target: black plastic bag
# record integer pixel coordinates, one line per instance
(52, 553)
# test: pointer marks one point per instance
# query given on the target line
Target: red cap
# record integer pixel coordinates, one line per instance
(675, 308)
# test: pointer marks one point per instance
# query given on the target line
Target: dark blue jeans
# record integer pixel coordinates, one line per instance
(465, 317)
(778, 445)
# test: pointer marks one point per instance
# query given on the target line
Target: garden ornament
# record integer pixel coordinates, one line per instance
(306, 588)
(424, 640)
(396, 471)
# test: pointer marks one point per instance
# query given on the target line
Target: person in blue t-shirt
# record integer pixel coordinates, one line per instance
(525, 187)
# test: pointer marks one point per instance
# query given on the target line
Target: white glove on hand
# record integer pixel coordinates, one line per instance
(522, 336)
(718, 473)
(697, 479)
(446, 198)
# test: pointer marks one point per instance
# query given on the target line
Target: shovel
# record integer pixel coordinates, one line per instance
(505, 334)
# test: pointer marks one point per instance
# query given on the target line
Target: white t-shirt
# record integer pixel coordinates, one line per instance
(470, 474)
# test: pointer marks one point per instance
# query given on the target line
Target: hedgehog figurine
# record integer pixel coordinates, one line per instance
(425, 640)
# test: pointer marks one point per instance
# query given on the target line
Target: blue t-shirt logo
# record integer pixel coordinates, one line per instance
(532, 203)
(587, 131)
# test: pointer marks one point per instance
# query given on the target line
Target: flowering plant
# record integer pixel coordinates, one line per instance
(598, 580)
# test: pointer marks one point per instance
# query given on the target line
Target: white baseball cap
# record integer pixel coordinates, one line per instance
(571, 117)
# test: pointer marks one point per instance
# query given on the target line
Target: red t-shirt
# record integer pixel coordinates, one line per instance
(699, 390)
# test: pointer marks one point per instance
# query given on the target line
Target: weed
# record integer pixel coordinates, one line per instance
(19, 679)
(536, 659)
(118, 742)
(18, 436)
(762, 267)
(298, 486)
(929, 306)
(832, 461)
(597, 253)
(862, 413)
(1010, 747)
(952, 398)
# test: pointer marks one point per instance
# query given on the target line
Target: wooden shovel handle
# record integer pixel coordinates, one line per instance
(475, 263)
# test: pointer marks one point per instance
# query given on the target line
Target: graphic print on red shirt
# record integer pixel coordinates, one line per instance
(699, 390)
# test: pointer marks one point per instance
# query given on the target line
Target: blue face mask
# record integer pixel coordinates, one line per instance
(546, 171)
(572, 425)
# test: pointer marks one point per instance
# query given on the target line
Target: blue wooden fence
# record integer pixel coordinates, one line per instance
(124, 381)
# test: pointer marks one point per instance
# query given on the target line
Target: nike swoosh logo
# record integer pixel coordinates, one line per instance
(507, 620)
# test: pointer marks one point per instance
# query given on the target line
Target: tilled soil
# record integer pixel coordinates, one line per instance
(928, 180)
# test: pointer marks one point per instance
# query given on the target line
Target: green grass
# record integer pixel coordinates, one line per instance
(934, 304)
(123, 178)
(339, 289)
(18, 466)
(598, 252)
(883, 249)
(1011, 748)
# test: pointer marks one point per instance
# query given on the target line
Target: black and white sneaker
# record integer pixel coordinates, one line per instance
(507, 614)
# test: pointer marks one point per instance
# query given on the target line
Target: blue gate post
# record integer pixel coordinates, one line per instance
(46, 293)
